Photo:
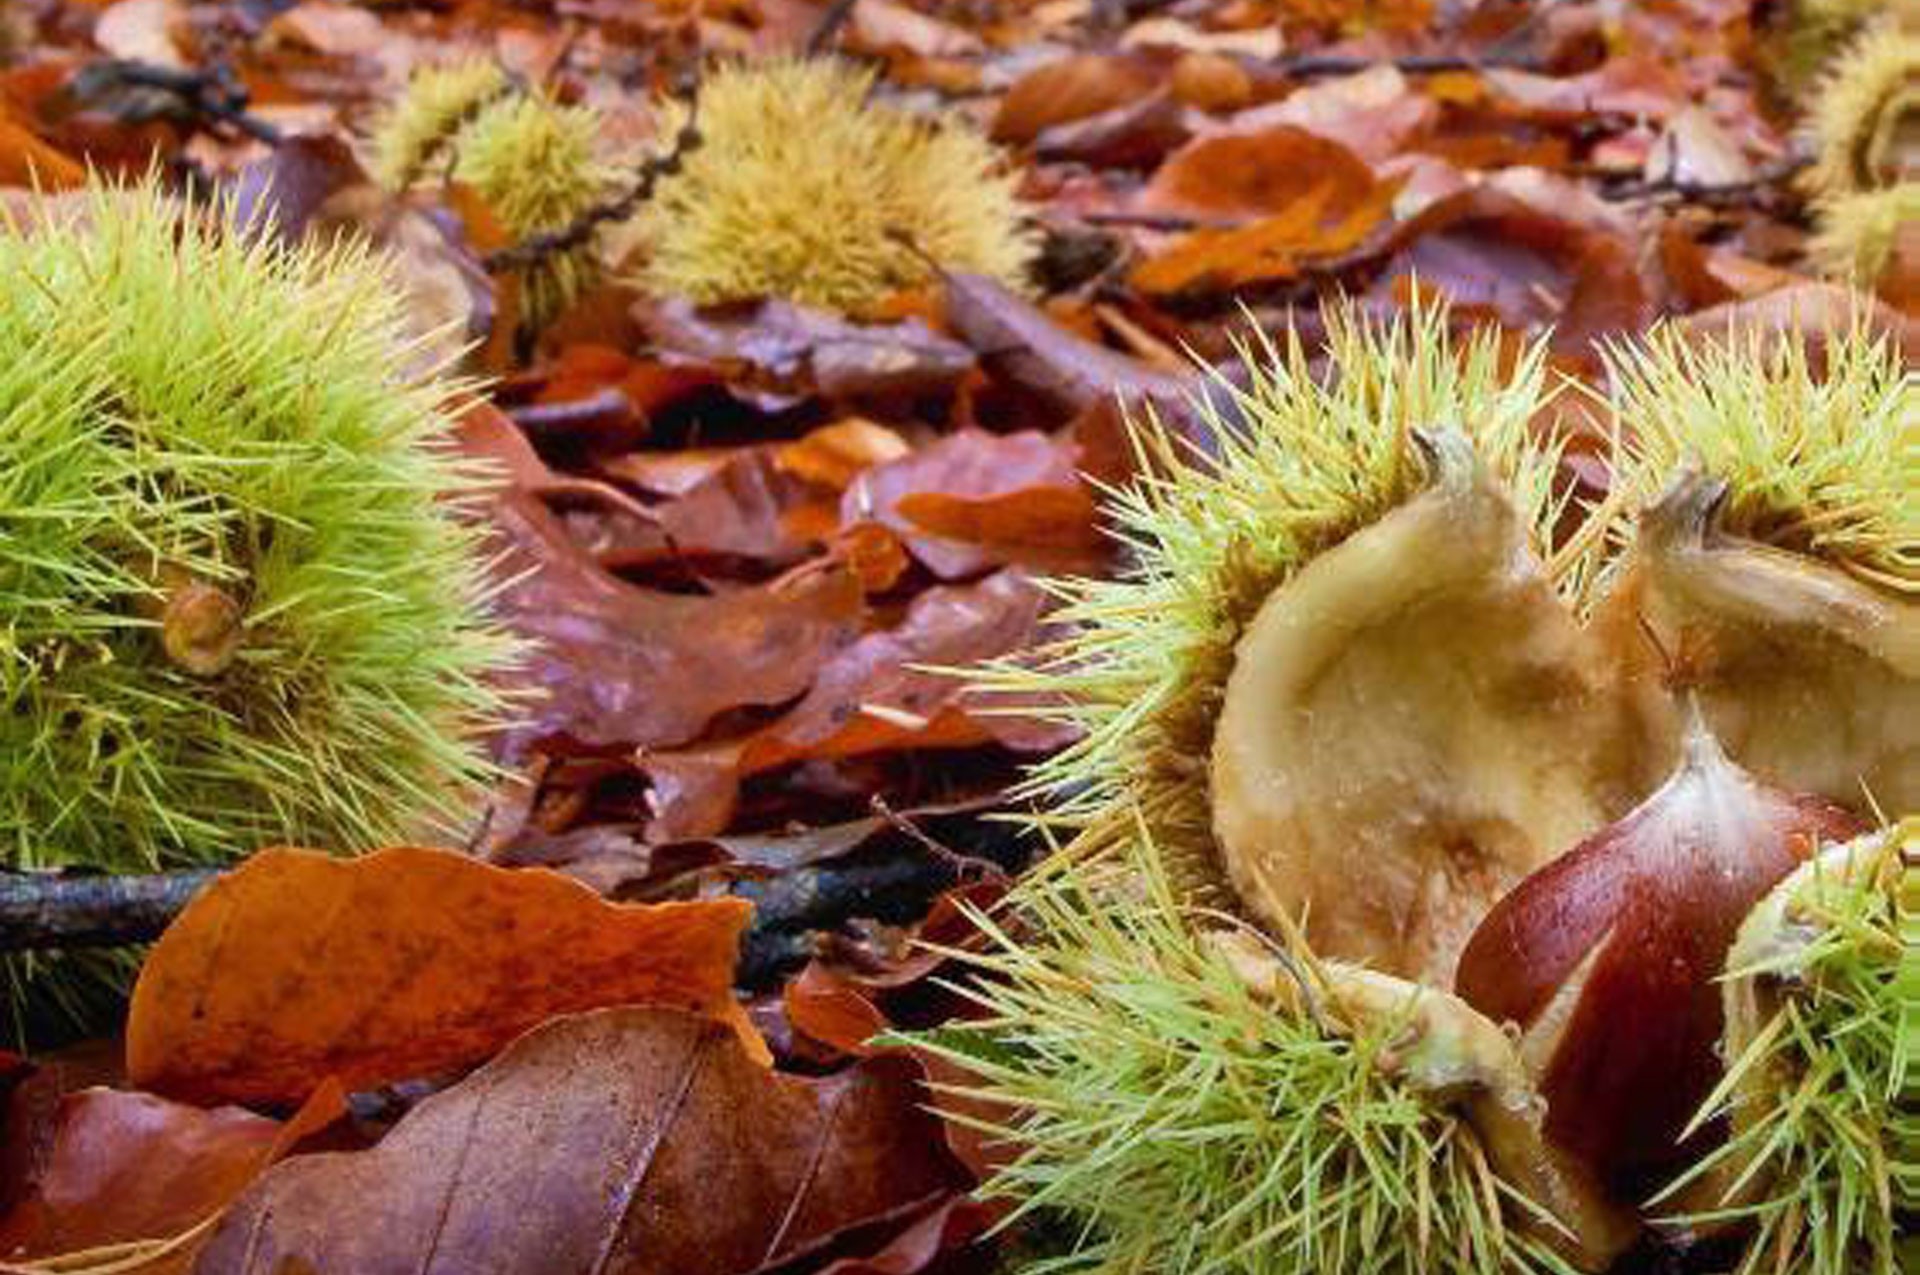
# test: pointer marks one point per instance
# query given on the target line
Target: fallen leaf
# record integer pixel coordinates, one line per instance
(742, 507)
(1270, 249)
(1375, 113)
(621, 665)
(114, 1167)
(620, 1142)
(1808, 313)
(1137, 135)
(1528, 266)
(1694, 149)
(27, 161)
(1024, 346)
(1260, 43)
(1233, 176)
(332, 28)
(987, 499)
(833, 455)
(884, 26)
(795, 350)
(142, 31)
(949, 1228)
(1211, 82)
(1067, 89)
(822, 1005)
(296, 966)
(876, 694)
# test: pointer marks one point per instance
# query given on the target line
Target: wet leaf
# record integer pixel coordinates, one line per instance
(622, 665)
(114, 1166)
(402, 963)
(987, 499)
(794, 350)
(1240, 175)
(625, 1140)
(1068, 89)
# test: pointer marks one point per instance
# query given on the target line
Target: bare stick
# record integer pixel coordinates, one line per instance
(63, 910)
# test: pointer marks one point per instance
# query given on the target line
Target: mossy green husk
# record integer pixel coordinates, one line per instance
(237, 607)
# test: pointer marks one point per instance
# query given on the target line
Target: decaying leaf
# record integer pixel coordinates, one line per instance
(617, 664)
(621, 1141)
(116, 1167)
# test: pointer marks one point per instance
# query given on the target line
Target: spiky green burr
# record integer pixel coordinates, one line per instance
(1302, 464)
(531, 159)
(1822, 1090)
(237, 604)
(1170, 1113)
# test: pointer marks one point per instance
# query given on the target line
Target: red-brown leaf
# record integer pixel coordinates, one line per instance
(620, 1142)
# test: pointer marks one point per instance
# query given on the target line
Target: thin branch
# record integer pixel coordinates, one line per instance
(189, 98)
(965, 866)
(65, 910)
(1768, 182)
(532, 250)
(1308, 66)
(827, 30)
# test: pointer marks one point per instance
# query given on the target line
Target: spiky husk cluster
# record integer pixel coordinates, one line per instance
(1869, 97)
(804, 189)
(1141, 676)
(1825, 1098)
(440, 102)
(1795, 50)
(531, 160)
(1150, 1092)
(235, 607)
(1819, 460)
(1858, 234)
(1173, 1120)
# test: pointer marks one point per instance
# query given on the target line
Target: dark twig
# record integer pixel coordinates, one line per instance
(1159, 221)
(141, 91)
(827, 30)
(532, 250)
(1308, 66)
(59, 910)
(1767, 183)
(965, 866)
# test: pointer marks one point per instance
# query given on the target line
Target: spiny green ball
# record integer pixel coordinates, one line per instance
(532, 161)
(439, 103)
(236, 605)
(1866, 113)
(802, 188)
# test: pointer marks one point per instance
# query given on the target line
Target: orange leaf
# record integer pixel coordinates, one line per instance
(833, 454)
(1070, 88)
(1257, 174)
(1048, 518)
(25, 160)
(824, 1006)
(403, 963)
(1267, 250)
